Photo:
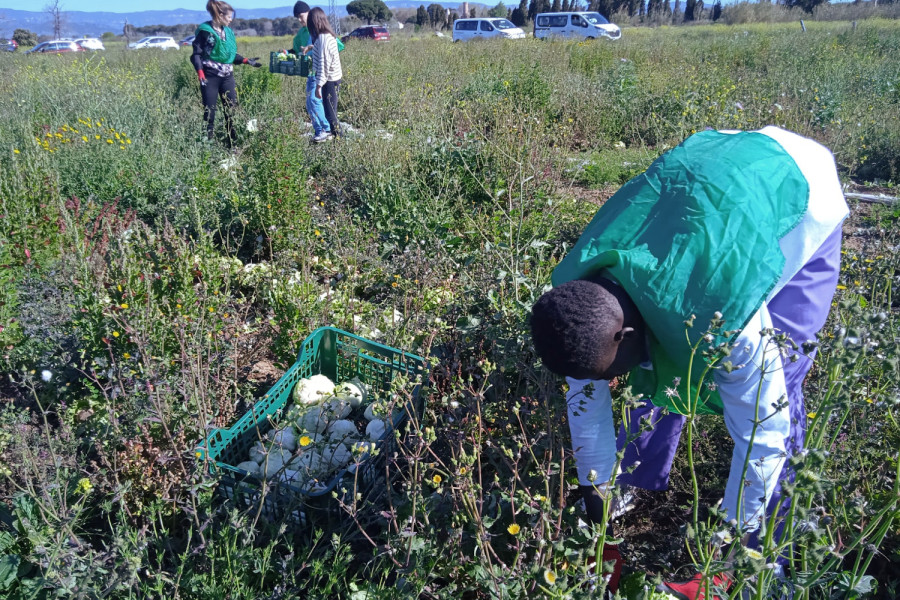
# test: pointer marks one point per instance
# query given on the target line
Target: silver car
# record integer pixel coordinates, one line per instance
(90, 43)
(155, 41)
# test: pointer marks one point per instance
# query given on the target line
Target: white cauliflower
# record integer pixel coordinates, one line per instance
(275, 462)
(353, 391)
(258, 452)
(338, 408)
(250, 466)
(315, 420)
(342, 430)
(309, 463)
(313, 390)
(375, 429)
(284, 438)
(337, 455)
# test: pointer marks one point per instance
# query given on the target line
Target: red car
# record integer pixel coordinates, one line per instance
(56, 47)
(370, 32)
(9, 45)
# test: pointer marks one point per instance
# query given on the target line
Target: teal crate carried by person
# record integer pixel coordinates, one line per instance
(285, 64)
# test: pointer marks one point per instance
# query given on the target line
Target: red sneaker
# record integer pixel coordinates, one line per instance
(693, 589)
(610, 554)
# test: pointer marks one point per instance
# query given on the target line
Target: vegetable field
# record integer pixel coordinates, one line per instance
(154, 287)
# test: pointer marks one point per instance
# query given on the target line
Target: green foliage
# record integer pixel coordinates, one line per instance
(24, 37)
(369, 10)
(498, 11)
(163, 285)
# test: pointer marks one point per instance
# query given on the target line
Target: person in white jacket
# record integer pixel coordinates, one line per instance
(327, 64)
(742, 229)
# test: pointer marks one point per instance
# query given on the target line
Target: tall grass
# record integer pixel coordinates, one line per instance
(150, 281)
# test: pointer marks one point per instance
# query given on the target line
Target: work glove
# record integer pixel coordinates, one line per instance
(253, 62)
(202, 76)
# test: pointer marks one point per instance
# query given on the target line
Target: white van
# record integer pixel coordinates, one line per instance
(480, 29)
(578, 25)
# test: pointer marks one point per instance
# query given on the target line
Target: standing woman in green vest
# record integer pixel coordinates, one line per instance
(214, 57)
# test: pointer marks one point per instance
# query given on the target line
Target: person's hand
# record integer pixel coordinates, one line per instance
(202, 76)
(253, 62)
(318, 92)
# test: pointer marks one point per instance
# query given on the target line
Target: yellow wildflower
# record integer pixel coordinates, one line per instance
(549, 577)
(514, 529)
(436, 479)
(115, 334)
(305, 440)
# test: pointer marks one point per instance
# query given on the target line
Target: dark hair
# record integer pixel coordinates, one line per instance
(300, 8)
(218, 9)
(318, 23)
(572, 326)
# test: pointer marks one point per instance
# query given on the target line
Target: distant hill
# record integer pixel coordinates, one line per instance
(79, 23)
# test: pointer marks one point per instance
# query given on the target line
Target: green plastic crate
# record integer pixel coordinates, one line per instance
(298, 66)
(340, 356)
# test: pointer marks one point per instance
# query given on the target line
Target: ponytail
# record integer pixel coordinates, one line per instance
(217, 9)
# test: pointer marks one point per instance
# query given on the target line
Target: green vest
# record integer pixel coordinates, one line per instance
(696, 233)
(225, 50)
(302, 39)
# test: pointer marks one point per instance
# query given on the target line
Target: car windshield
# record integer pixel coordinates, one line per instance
(503, 24)
(143, 40)
(596, 19)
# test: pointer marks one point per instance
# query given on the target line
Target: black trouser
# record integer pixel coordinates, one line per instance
(329, 101)
(215, 87)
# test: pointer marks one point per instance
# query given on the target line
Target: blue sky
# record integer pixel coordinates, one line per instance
(119, 6)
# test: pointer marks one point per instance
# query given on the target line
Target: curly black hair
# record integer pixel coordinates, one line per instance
(573, 326)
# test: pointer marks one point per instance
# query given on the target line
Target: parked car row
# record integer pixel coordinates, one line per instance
(562, 25)
(573, 25)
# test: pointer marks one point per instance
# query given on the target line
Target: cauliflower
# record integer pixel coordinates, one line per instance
(353, 391)
(342, 430)
(315, 420)
(377, 410)
(275, 462)
(258, 452)
(309, 463)
(250, 466)
(313, 389)
(375, 429)
(338, 408)
(285, 438)
(337, 455)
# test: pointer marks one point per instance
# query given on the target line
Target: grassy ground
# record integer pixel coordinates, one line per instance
(153, 285)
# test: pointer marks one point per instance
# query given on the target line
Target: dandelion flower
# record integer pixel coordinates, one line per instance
(811, 414)
(84, 486)
(123, 305)
(305, 440)
(16, 151)
(549, 577)
(436, 479)
(514, 529)
(126, 355)
(115, 334)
